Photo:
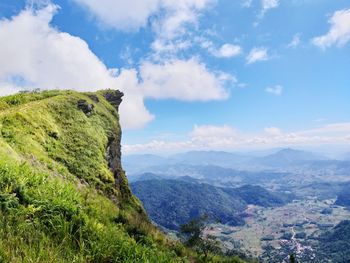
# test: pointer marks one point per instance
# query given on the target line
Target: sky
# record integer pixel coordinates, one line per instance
(231, 75)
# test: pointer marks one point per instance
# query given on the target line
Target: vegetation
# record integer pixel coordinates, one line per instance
(205, 245)
(334, 245)
(171, 203)
(343, 198)
(63, 194)
(59, 201)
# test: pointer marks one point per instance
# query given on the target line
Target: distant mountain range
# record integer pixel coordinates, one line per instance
(289, 157)
(171, 203)
(283, 159)
(210, 174)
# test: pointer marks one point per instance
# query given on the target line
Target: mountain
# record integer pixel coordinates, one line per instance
(283, 160)
(64, 196)
(257, 195)
(145, 177)
(211, 174)
(171, 203)
(286, 157)
(137, 163)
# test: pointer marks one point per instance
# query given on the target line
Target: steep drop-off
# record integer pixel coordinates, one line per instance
(63, 194)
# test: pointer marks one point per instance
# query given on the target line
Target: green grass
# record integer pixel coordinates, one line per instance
(59, 202)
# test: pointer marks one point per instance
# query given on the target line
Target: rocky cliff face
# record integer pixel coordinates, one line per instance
(113, 150)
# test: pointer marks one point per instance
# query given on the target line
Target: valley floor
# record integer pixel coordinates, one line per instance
(274, 233)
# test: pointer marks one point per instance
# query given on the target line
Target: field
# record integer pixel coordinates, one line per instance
(292, 228)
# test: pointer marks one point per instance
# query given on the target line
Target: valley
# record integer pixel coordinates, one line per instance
(289, 202)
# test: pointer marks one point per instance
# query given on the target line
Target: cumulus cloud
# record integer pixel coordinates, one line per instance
(178, 14)
(275, 90)
(169, 20)
(120, 14)
(339, 32)
(45, 58)
(182, 79)
(257, 54)
(209, 137)
(227, 51)
(37, 55)
(170, 16)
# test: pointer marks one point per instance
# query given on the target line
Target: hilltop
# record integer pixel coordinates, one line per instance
(64, 196)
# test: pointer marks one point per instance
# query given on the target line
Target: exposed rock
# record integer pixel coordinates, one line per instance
(114, 97)
(113, 151)
(85, 107)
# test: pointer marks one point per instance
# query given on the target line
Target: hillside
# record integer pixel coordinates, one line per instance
(335, 244)
(343, 198)
(171, 203)
(63, 194)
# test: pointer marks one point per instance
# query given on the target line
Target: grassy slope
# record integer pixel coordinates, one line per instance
(59, 201)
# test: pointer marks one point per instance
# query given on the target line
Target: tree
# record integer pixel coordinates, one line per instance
(292, 258)
(196, 239)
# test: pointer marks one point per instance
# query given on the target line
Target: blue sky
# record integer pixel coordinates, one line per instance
(197, 74)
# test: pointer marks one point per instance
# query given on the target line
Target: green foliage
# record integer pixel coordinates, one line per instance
(171, 203)
(59, 202)
(334, 245)
(207, 247)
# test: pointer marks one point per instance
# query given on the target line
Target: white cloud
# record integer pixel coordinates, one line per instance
(133, 113)
(339, 33)
(37, 55)
(178, 14)
(257, 54)
(266, 5)
(227, 51)
(295, 41)
(120, 14)
(48, 59)
(131, 15)
(209, 137)
(186, 80)
(275, 90)
(269, 4)
(175, 25)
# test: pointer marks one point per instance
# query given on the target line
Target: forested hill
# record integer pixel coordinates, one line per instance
(171, 203)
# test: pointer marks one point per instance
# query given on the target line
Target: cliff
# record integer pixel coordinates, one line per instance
(64, 196)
